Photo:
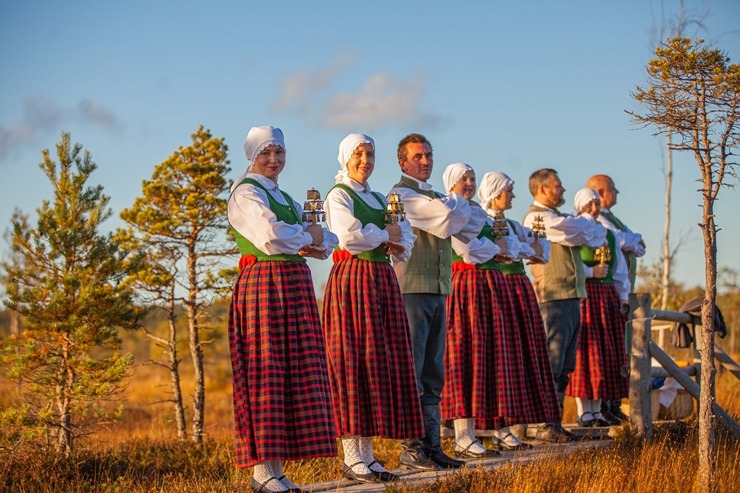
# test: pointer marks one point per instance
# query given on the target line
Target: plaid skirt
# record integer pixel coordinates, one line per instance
(539, 390)
(368, 347)
(282, 401)
(485, 376)
(600, 352)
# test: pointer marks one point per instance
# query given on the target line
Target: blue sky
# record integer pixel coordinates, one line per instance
(506, 86)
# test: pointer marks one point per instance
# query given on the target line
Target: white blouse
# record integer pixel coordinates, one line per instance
(477, 250)
(629, 241)
(249, 213)
(570, 231)
(523, 239)
(352, 236)
(442, 217)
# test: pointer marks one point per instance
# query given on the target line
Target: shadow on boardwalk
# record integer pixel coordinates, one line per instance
(419, 478)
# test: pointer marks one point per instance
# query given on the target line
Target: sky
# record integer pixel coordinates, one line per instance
(504, 86)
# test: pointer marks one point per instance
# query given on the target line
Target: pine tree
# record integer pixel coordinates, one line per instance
(65, 279)
(181, 218)
(693, 93)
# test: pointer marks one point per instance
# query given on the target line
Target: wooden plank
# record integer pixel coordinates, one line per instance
(693, 388)
(426, 479)
(726, 361)
(641, 414)
(680, 317)
(662, 373)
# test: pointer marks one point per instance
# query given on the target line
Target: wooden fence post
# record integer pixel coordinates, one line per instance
(641, 413)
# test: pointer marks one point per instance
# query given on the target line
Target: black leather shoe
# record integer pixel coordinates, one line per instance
(602, 421)
(586, 420)
(258, 487)
(616, 411)
(356, 476)
(416, 458)
(467, 453)
(443, 460)
(607, 416)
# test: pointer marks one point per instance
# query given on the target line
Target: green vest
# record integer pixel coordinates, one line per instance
(512, 268)
(366, 215)
(429, 269)
(284, 213)
(588, 256)
(629, 257)
(562, 277)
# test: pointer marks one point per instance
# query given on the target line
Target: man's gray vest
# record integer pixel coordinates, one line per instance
(563, 276)
(429, 269)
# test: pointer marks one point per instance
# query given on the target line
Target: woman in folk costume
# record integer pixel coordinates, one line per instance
(538, 393)
(477, 311)
(282, 398)
(600, 353)
(371, 368)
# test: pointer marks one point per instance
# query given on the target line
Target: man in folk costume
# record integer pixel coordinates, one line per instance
(425, 284)
(368, 345)
(282, 398)
(537, 390)
(599, 359)
(631, 246)
(477, 313)
(559, 284)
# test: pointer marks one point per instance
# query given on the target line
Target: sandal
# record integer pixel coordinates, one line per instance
(466, 453)
(258, 487)
(292, 490)
(518, 446)
(383, 476)
(368, 477)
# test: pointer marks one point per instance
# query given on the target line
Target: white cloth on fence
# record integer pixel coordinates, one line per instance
(668, 391)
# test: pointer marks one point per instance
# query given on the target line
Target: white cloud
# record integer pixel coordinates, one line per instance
(42, 116)
(380, 101)
(302, 86)
(98, 114)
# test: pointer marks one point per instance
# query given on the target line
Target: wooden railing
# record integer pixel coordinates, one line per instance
(643, 349)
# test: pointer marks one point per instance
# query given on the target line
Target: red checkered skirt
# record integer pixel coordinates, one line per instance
(484, 373)
(539, 389)
(368, 346)
(600, 351)
(282, 400)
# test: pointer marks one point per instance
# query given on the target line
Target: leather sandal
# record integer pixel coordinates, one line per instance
(258, 487)
(511, 448)
(467, 453)
(383, 476)
(292, 490)
(586, 422)
(369, 477)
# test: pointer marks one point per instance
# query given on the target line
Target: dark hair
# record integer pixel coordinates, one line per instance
(538, 178)
(411, 139)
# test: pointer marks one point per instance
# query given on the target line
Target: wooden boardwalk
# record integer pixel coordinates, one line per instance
(419, 478)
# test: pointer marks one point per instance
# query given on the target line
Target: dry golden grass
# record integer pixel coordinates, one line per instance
(141, 453)
(630, 465)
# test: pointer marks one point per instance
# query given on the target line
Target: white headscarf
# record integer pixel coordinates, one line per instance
(257, 139)
(492, 185)
(346, 148)
(453, 173)
(582, 198)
